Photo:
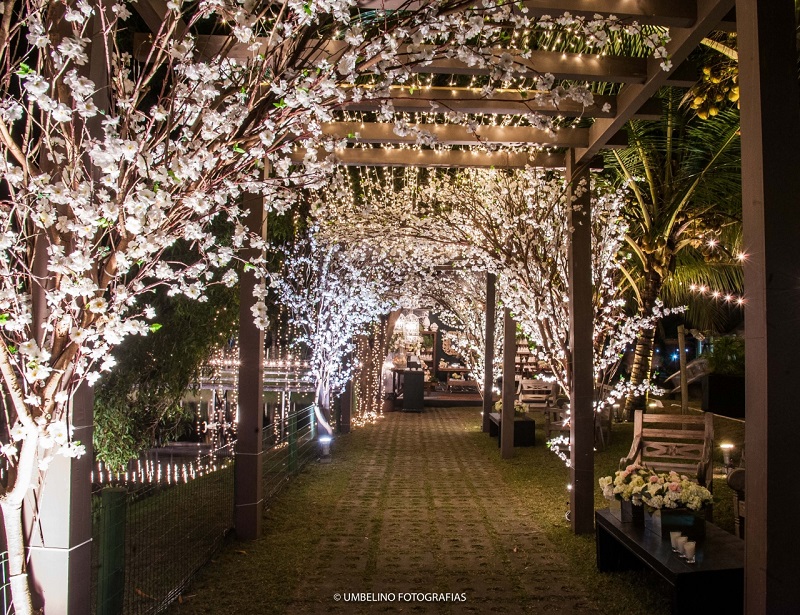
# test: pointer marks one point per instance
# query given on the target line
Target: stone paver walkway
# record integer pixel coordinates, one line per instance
(426, 514)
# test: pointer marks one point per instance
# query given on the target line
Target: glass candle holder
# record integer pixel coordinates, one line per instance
(673, 536)
(680, 541)
(689, 551)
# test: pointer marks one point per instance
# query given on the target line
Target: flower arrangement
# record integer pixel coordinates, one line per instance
(642, 486)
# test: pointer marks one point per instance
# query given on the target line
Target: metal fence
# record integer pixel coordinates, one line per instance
(5, 586)
(156, 525)
(289, 444)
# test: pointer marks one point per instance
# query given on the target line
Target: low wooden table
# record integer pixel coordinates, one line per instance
(524, 429)
(714, 584)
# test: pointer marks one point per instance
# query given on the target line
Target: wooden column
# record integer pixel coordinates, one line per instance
(771, 216)
(488, 356)
(60, 546)
(580, 335)
(248, 481)
(509, 356)
(60, 553)
(346, 404)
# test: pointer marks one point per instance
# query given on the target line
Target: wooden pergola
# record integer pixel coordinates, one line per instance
(770, 159)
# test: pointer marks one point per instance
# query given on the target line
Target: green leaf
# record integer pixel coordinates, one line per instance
(172, 175)
(12, 349)
(238, 149)
(351, 135)
(154, 327)
(524, 94)
(281, 104)
(24, 69)
(3, 317)
(307, 8)
(248, 267)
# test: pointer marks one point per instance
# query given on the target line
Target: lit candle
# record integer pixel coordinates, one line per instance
(673, 537)
(689, 548)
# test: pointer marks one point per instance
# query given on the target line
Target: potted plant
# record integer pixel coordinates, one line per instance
(670, 499)
(723, 386)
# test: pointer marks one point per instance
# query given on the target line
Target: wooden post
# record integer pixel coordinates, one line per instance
(580, 336)
(682, 358)
(509, 356)
(60, 523)
(346, 408)
(292, 442)
(488, 372)
(248, 472)
(770, 128)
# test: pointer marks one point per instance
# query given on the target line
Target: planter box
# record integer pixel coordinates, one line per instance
(724, 395)
(690, 523)
(626, 512)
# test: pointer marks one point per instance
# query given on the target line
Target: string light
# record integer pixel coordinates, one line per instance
(705, 291)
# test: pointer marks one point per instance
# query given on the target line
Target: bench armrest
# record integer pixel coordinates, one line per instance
(633, 455)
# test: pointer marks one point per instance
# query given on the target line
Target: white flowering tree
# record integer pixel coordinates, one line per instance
(510, 222)
(460, 297)
(332, 294)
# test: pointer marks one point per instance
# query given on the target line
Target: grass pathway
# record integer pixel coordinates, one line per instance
(421, 503)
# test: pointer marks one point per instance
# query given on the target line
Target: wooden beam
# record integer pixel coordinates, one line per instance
(154, 13)
(488, 355)
(509, 385)
(573, 66)
(581, 319)
(669, 13)
(436, 99)
(683, 42)
(396, 157)
(455, 134)
(472, 100)
(248, 472)
(771, 224)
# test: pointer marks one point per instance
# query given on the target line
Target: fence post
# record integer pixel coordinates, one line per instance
(292, 442)
(111, 575)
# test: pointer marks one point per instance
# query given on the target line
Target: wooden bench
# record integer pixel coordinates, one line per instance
(714, 584)
(536, 394)
(459, 385)
(679, 442)
(524, 429)
(735, 481)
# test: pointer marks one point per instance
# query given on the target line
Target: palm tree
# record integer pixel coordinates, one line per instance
(684, 176)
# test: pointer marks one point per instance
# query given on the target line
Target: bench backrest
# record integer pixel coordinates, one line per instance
(536, 392)
(461, 382)
(679, 442)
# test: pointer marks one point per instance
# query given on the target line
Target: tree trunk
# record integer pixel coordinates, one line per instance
(11, 505)
(643, 353)
(17, 571)
(323, 408)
